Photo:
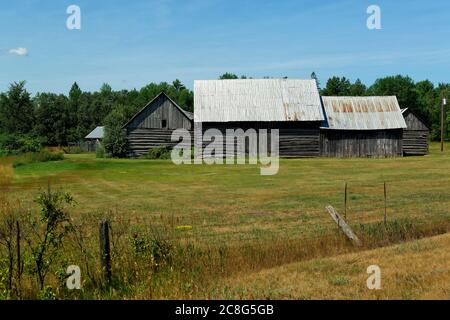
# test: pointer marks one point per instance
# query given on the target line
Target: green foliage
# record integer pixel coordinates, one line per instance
(155, 247)
(13, 144)
(16, 110)
(115, 140)
(358, 89)
(337, 87)
(161, 152)
(100, 152)
(392, 231)
(53, 226)
(53, 118)
(41, 156)
(47, 294)
(231, 76)
(5, 293)
(402, 87)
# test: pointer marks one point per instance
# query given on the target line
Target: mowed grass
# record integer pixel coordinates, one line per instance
(414, 270)
(236, 203)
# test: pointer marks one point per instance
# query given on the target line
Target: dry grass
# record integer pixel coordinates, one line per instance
(414, 270)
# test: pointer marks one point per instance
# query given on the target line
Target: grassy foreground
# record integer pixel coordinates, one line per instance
(413, 270)
(218, 225)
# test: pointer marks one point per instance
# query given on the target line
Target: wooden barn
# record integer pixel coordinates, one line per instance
(292, 106)
(362, 127)
(416, 135)
(154, 124)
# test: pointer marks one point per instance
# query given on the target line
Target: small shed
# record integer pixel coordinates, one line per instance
(96, 134)
(92, 140)
(154, 124)
(416, 135)
(362, 127)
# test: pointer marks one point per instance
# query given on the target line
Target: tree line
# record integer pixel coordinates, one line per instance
(56, 119)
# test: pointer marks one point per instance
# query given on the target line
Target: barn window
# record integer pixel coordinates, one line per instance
(164, 124)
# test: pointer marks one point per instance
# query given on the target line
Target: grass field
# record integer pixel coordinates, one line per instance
(270, 221)
(413, 270)
(237, 203)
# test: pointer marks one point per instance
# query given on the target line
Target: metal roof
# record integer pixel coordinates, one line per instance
(97, 133)
(257, 100)
(363, 113)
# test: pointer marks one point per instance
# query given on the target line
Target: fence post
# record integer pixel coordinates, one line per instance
(19, 262)
(105, 251)
(385, 205)
(345, 202)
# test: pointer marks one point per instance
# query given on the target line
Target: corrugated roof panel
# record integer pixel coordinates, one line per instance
(363, 113)
(257, 100)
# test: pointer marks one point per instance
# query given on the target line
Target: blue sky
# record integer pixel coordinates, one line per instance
(131, 43)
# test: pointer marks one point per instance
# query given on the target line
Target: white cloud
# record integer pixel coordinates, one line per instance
(22, 52)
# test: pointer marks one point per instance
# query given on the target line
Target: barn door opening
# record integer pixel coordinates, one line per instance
(164, 124)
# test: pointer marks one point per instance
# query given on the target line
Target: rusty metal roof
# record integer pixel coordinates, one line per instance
(363, 113)
(257, 100)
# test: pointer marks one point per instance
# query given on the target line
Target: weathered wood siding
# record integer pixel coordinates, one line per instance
(352, 143)
(160, 109)
(415, 136)
(140, 141)
(153, 126)
(296, 139)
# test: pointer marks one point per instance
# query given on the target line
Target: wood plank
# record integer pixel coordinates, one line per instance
(343, 225)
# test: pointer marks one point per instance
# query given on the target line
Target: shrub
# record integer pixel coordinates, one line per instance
(161, 152)
(41, 156)
(156, 247)
(115, 139)
(100, 152)
(11, 144)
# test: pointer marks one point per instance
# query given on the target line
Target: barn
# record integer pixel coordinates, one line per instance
(362, 127)
(416, 135)
(290, 105)
(153, 125)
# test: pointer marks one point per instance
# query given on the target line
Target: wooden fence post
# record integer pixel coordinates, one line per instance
(385, 205)
(345, 202)
(343, 225)
(105, 251)
(19, 262)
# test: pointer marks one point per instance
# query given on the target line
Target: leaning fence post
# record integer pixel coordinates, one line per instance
(105, 251)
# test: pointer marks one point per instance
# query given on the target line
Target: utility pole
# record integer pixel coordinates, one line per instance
(444, 103)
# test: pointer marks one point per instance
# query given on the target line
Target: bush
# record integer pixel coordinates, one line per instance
(161, 152)
(41, 156)
(115, 139)
(11, 144)
(100, 152)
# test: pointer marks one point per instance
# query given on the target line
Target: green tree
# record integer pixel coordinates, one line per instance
(427, 97)
(228, 76)
(401, 87)
(337, 86)
(16, 110)
(51, 118)
(358, 89)
(314, 77)
(115, 141)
